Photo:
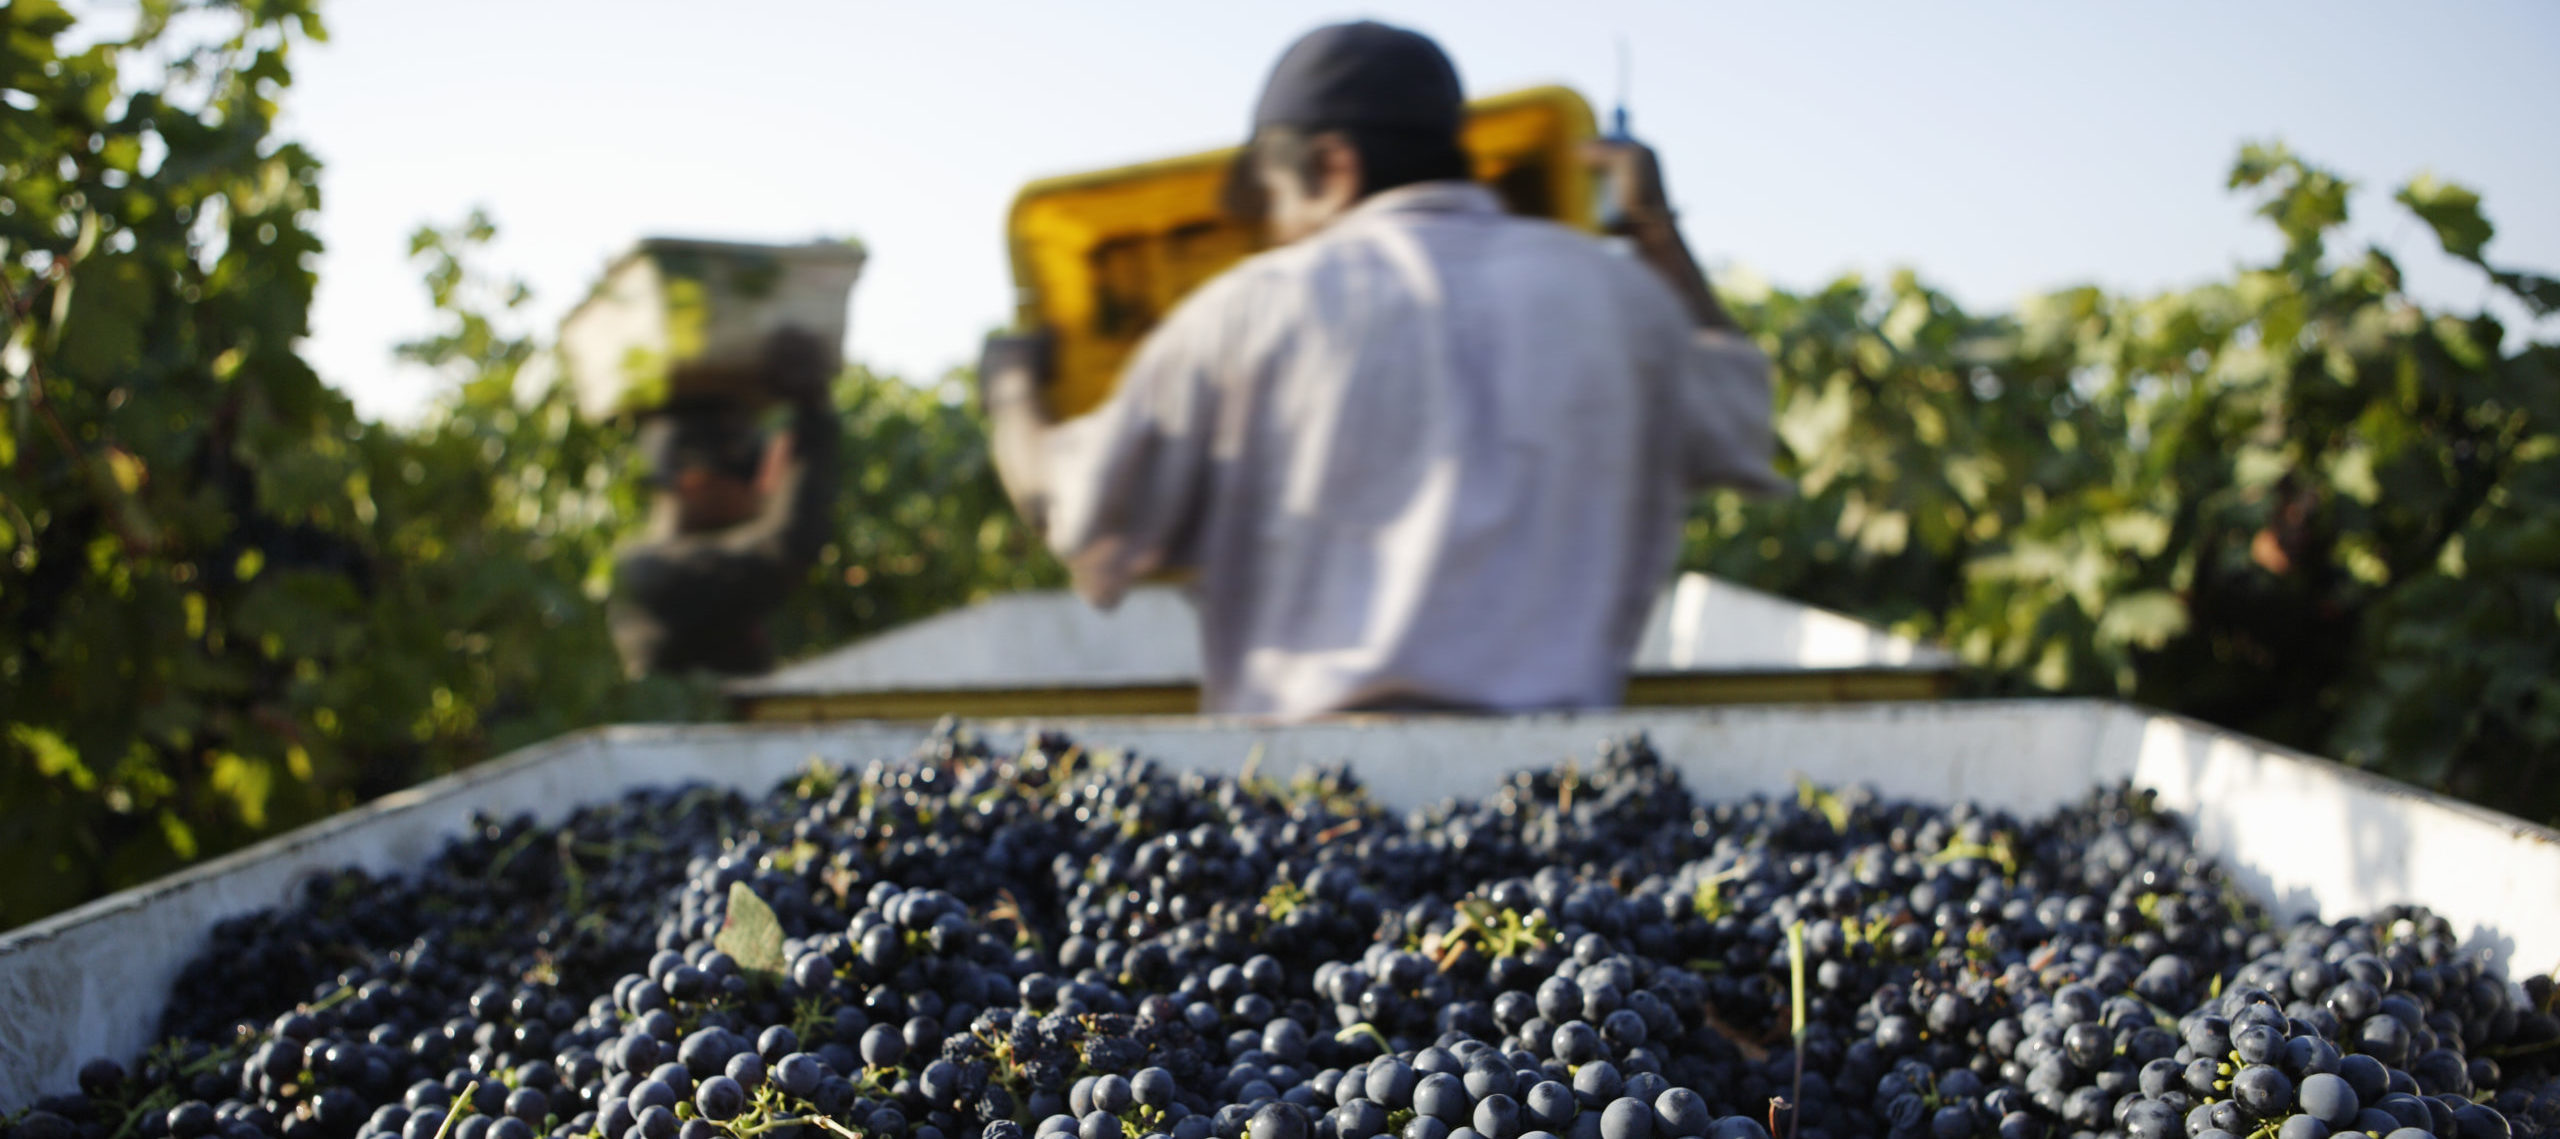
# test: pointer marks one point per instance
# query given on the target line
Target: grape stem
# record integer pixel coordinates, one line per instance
(461, 1107)
(836, 1127)
(1795, 993)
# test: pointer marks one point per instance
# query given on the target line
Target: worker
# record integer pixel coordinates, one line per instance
(1422, 455)
(735, 519)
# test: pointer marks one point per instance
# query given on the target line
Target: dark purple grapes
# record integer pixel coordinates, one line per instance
(1054, 943)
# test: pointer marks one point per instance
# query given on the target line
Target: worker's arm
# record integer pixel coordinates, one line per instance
(798, 480)
(1646, 220)
(1115, 492)
(1013, 381)
(1717, 401)
(797, 368)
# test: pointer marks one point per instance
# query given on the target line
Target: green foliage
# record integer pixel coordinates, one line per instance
(503, 507)
(228, 604)
(2297, 504)
(154, 674)
(923, 524)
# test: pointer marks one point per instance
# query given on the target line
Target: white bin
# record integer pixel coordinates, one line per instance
(92, 981)
(677, 300)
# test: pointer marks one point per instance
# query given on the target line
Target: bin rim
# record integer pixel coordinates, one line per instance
(1098, 726)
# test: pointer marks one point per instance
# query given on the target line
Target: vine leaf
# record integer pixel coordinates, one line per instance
(752, 935)
(2453, 211)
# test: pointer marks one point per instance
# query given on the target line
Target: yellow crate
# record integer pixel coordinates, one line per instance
(1099, 258)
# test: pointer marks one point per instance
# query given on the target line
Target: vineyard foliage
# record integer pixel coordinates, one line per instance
(228, 604)
(2296, 503)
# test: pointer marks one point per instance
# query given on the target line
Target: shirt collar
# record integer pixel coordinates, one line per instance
(1448, 197)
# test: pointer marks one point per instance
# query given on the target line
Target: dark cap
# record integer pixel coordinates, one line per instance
(1363, 74)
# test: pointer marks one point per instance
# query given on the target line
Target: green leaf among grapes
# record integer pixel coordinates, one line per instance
(751, 935)
(1824, 801)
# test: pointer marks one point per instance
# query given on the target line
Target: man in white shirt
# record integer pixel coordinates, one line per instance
(1422, 455)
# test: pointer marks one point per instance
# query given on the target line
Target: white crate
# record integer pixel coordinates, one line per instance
(676, 300)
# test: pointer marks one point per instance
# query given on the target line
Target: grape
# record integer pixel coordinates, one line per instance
(1550, 1106)
(2262, 1091)
(1390, 1083)
(719, 1098)
(798, 1074)
(1278, 1121)
(1498, 1117)
(2329, 1098)
(2151, 1119)
(883, 1046)
(1444, 1097)
(1626, 1119)
(189, 1120)
(2302, 1127)
(973, 941)
(654, 1123)
(650, 1093)
(1596, 1084)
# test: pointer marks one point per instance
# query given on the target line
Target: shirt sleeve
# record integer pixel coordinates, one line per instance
(1127, 481)
(1720, 395)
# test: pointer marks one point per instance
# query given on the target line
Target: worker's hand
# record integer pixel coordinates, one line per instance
(775, 471)
(1015, 372)
(1633, 206)
(1633, 202)
(797, 365)
(1014, 376)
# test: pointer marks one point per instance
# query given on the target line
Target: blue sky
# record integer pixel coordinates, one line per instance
(1999, 148)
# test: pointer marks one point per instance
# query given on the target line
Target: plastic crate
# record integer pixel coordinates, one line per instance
(1099, 258)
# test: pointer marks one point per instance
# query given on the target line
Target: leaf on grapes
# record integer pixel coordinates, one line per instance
(1709, 900)
(1832, 808)
(751, 935)
(1282, 899)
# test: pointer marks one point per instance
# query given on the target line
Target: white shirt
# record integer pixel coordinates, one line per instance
(1432, 454)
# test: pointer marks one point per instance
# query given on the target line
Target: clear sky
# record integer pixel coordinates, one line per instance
(2000, 148)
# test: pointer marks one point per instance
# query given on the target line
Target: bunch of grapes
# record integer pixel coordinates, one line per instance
(974, 944)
